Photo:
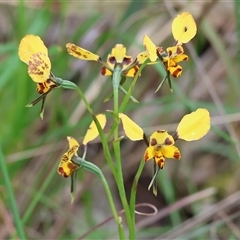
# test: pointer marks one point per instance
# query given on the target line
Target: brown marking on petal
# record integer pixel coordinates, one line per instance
(161, 131)
(177, 155)
(185, 59)
(64, 158)
(145, 157)
(179, 50)
(103, 71)
(168, 141)
(45, 86)
(62, 173)
(169, 53)
(177, 72)
(34, 63)
(135, 70)
(72, 150)
(153, 142)
(127, 60)
(185, 29)
(112, 60)
(72, 166)
(160, 162)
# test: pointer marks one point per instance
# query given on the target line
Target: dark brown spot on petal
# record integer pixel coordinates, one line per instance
(127, 60)
(177, 154)
(185, 59)
(145, 156)
(62, 173)
(177, 72)
(45, 86)
(112, 60)
(153, 142)
(179, 50)
(103, 71)
(169, 53)
(185, 29)
(161, 131)
(168, 141)
(160, 162)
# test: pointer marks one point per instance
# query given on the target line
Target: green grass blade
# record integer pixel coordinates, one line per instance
(12, 200)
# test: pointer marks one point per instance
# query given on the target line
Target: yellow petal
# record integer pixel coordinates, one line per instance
(149, 153)
(72, 142)
(170, 152)
(66, 166)
(81, 52)
(175, 71)
(161, 138)
(119, 52)
(131, 72)
(92, 131)
(150, 47)
(131, 129)
(142, 57)
(29, 45)
(184, 27)
(194, 126)
(106, 72)
(39, 67)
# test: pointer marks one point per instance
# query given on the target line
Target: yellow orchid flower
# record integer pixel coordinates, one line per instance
(183, 28)
(34, 53)
(161, 146)
(117, 56)
(67, 163)
(174, 55)
(192, 127)
(67, 166)
(170, 58)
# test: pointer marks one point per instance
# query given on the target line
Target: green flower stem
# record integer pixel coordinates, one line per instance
(12, 201)
(126, 98)
(70, 85)
(116, 146)
(134, 189)
(94, 169)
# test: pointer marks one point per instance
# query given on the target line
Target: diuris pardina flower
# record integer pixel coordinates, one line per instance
(183, 30)
(117, 57)
(70, 161)
(34, 53)
(67, 164)
(192, 127)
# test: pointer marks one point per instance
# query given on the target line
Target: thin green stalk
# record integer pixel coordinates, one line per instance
(12, 201)
(134, 189)
(94, 169)
(116, 146)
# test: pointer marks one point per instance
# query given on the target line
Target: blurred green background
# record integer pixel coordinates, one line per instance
(198, 196)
